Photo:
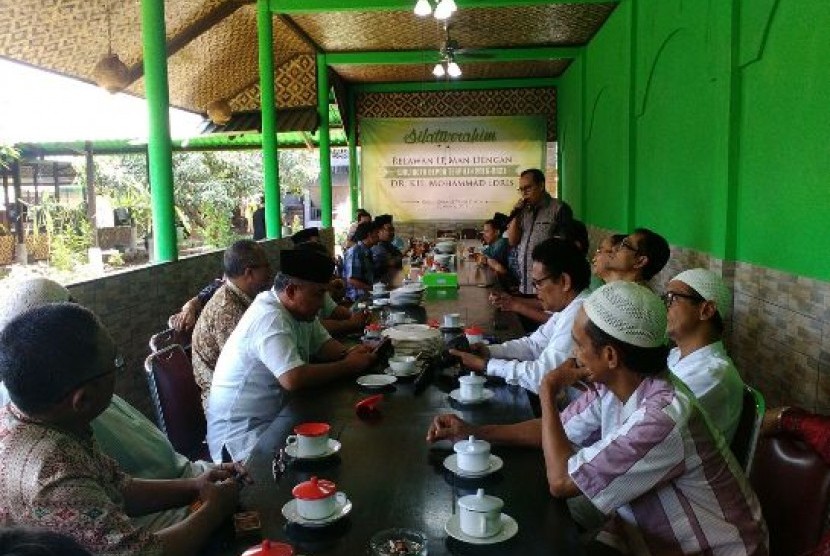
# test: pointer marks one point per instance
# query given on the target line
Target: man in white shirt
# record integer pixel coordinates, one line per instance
(560, 275)
(269, 354)
(697, 301)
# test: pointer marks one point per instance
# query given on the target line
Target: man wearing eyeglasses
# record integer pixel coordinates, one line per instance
(697, 301)
(638, 257)
(537, 215)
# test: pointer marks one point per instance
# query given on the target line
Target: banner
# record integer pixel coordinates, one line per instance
(439, 169)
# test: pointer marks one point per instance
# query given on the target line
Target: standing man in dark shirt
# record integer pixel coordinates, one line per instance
(259, 220)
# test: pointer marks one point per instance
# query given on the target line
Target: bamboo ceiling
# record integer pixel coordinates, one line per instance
(212, 44)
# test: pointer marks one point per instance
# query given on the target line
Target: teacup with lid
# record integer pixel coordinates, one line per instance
(310, 439)
(316, 498)
(472, 455)
(480, 514)
(472, 387)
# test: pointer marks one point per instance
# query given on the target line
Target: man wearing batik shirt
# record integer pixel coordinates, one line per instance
(247, 273)
(59, 365)
(359, 273)
(697, 302)
(635, 444)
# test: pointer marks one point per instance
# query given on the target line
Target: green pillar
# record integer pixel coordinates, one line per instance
(325, 140)
(159, 148)
(268, 104)
(354, 179)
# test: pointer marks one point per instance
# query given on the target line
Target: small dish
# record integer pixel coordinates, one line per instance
(509, 528)
(388, 542)
(342, 507)
(486, 395)
(332, 448)
(376, 381)
(451, 465)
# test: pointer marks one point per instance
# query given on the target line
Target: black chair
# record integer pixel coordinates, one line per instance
(177, 400)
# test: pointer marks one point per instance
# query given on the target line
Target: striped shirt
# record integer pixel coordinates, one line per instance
(671, 485)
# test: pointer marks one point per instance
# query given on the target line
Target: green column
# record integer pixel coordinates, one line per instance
(268, 104)
(354, 179)
(325, 140)
(159, 148)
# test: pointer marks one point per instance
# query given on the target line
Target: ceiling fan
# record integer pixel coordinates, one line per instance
(450, 48)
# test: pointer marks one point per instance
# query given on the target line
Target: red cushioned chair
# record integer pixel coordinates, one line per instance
(170, 337)
(177, 400)
(793, 485)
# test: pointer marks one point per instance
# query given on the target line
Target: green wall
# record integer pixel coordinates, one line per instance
(707, 121)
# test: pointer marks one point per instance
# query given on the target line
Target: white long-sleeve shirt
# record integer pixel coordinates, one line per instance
(527, 360)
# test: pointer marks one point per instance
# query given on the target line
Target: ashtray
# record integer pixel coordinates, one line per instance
(399, 542)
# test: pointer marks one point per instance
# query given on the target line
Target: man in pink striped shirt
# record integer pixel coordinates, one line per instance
(635, 444)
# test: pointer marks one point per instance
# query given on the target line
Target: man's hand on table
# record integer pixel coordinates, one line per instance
(359, 319)
(360, 358)
(448, 427)
(503, 301)
(470, 361)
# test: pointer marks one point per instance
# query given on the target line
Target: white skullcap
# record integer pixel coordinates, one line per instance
(710, 286)
(628, 312)
(29, 294)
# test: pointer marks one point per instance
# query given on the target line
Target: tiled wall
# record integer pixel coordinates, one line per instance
(779, 334)
(135, 304)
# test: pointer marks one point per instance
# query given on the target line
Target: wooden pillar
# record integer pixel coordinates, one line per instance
(56, 181)
(90, 193)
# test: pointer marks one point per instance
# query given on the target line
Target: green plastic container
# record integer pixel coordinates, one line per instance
(440, 280)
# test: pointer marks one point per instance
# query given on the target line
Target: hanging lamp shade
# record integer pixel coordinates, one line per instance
(111, 73)
(219, 112)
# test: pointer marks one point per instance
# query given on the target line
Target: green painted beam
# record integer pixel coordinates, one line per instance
(457, 85)
(481, 55)
(268, 102)
(317, 6)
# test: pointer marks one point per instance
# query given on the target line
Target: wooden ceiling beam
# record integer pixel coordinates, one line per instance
(317, 6)
(191, 32)
(479, 55)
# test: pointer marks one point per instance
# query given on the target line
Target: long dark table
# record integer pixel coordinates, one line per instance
(394, 478)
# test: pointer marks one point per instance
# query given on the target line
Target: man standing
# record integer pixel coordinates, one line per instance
(635, 444)
(247, 273)
(561, 276)
(537, 216)
(268, 355)
(697, 302)
(258, 219)
(386, 258)
(359, 271)
(638, 257)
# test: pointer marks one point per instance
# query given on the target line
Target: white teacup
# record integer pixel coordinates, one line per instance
(475, 335)
(398, 317)
(379, 287)
(472, 387)
(480, 514)
(317, 498)
(452, 320)
(472, 455)
(311, 439)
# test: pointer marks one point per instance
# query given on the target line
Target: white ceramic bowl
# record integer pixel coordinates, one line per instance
(445, 247)
(402, 363)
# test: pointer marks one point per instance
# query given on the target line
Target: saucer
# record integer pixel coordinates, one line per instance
(486, 395)
(509, 528)
(341, 509)
(332, 448)
(376, 381)
(443, 328)
(415, 371)
(451, 464)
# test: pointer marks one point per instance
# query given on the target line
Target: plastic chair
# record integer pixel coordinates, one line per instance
(745, 440)
(793, 485)
(177, 400)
